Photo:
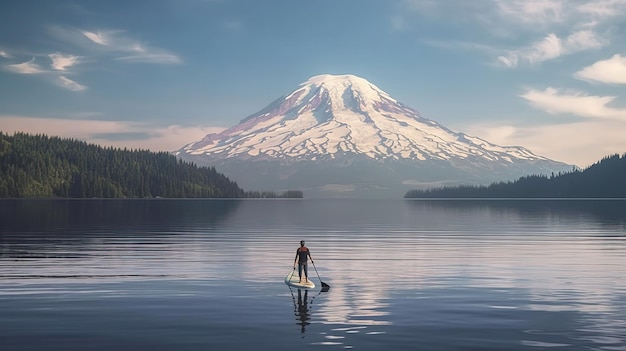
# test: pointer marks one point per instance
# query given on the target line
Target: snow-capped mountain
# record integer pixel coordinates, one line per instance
(335, 127)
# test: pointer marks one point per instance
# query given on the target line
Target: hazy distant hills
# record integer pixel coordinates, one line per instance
(341, 136)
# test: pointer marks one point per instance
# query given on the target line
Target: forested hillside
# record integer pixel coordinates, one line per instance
(604, 179)
(42, 166)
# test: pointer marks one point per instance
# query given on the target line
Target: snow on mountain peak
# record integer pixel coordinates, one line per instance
(342, 82)
(344, 91)
(335, 115)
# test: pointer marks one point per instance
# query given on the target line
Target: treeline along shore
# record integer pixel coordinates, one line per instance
(604, 179)
(39, 166)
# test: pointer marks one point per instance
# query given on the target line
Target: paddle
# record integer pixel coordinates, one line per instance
(325, 286)
(292, 272)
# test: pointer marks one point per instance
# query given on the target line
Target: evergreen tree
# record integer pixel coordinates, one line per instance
(603, 179)
(41, 166)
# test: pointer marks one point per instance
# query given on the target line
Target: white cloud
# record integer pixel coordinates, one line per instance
(62, 62)
(535, 15)
(573, 17)
(509, 60)
(603, 8)
(549, 48)
(462, 45)
(612, 71)
(583, 40)
(541, 14)
(552, 47)
(98, 38)
(28, 67)
(130, 49)
(70, 84)
(109, 44)
(163, 58)
(157, 138)
(579, 104)
(59, 63)
(532, 12)
(555, 27)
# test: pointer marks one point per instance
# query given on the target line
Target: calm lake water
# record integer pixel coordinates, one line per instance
(404, 275)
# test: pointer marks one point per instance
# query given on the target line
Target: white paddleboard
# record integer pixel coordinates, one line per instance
(292, 280)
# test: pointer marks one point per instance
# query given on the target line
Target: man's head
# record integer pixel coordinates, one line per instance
(301, 242)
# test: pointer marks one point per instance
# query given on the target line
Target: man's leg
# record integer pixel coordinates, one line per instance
(299, 271)
(306, 272)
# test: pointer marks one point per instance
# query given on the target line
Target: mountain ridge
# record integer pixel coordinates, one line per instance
(327, 120)
(339, 119)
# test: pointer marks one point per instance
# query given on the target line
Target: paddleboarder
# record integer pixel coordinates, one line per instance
(302, 256)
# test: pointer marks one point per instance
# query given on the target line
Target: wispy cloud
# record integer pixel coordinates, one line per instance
(130, 50)
(28, 67)
(462, 45)
(491, 14)
(70, 84)
(147, 57)
(62, 62)
(532, 12)
(603, 8)
(98, 38)
(548, 48)
(611, 71)
(550, 28)
(96, 46)
(109, 133)
(575, 103)
(110, 44)
(113, 44)
(578, 21)
(552, 47)
(542, 14)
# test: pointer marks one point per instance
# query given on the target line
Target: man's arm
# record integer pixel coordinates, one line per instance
(295, 260)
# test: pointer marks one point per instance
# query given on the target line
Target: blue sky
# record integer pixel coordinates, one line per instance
(549, 75)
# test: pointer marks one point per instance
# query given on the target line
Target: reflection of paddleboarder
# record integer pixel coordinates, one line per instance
(303, 310)
(302, 307)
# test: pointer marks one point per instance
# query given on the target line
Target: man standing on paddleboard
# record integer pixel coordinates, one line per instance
(302, 256)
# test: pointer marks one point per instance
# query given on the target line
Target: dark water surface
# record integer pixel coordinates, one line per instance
(404, 275)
